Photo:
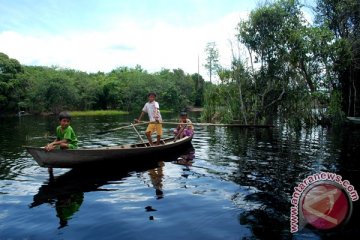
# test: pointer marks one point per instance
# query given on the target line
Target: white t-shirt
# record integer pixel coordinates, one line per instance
(152, 109)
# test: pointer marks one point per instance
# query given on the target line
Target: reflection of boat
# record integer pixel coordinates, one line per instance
(81, 157)
(66, 192)
(82, 180)
(354, 120)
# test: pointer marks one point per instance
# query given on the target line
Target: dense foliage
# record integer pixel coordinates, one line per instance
(342, 18)
(305, 73)
(45, 89)
(10, 85)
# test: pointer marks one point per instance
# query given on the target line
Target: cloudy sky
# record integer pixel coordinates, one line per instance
(100, 35)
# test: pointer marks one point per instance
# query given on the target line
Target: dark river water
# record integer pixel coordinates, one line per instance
(238, 186)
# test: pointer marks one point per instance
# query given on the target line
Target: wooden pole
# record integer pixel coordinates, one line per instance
(119, 128)
(194, 124)
(218, 124)
(137, 132)
(180, 132)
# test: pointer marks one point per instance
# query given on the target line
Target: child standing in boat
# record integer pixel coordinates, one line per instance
(65, 135)
(152, 109)
(185, 128)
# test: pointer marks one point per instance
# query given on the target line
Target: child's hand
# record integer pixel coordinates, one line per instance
(49, 147)
(136, 120)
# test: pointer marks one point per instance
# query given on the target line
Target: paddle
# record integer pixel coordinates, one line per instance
(119, 128)
(179, 133)
(194, 124)
(137, 133)
(218, 124)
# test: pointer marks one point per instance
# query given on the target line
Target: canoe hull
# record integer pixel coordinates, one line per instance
(120, 154)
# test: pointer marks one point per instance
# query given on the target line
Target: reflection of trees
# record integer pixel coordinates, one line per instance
(349, 166)
(270, 219)
(272, 162)
(13, 137)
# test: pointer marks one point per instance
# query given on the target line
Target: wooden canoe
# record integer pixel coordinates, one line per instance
(118, 154)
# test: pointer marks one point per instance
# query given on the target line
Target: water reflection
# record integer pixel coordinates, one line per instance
(187, 158)
(240, 185)
(156, 175)
(65, 193)
(271, 162)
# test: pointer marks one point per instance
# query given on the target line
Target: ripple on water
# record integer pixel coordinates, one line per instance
(239, 185)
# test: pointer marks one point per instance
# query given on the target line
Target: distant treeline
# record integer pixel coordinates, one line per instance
(37, 89)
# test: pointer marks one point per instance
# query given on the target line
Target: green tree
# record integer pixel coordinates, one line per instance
(272, 35)
(178, 89)
(59, 94)
(290, 73)
(199, 87)
(11, 87)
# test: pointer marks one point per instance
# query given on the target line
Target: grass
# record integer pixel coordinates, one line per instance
(97, 113)
(166, 111)
(106, 112)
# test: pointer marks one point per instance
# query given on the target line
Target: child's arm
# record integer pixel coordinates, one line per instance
(52, 145)
(139, 119)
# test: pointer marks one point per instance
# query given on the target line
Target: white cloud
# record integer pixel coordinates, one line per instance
(129, 43)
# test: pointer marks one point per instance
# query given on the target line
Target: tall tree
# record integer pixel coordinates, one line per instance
(274, 38)
(212, 59)
(343, 19)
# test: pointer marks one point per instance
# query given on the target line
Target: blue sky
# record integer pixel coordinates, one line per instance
(100, 35)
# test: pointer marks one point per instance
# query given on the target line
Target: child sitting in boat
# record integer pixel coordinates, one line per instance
(152, 109)
(185, 128)
(65, 135)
